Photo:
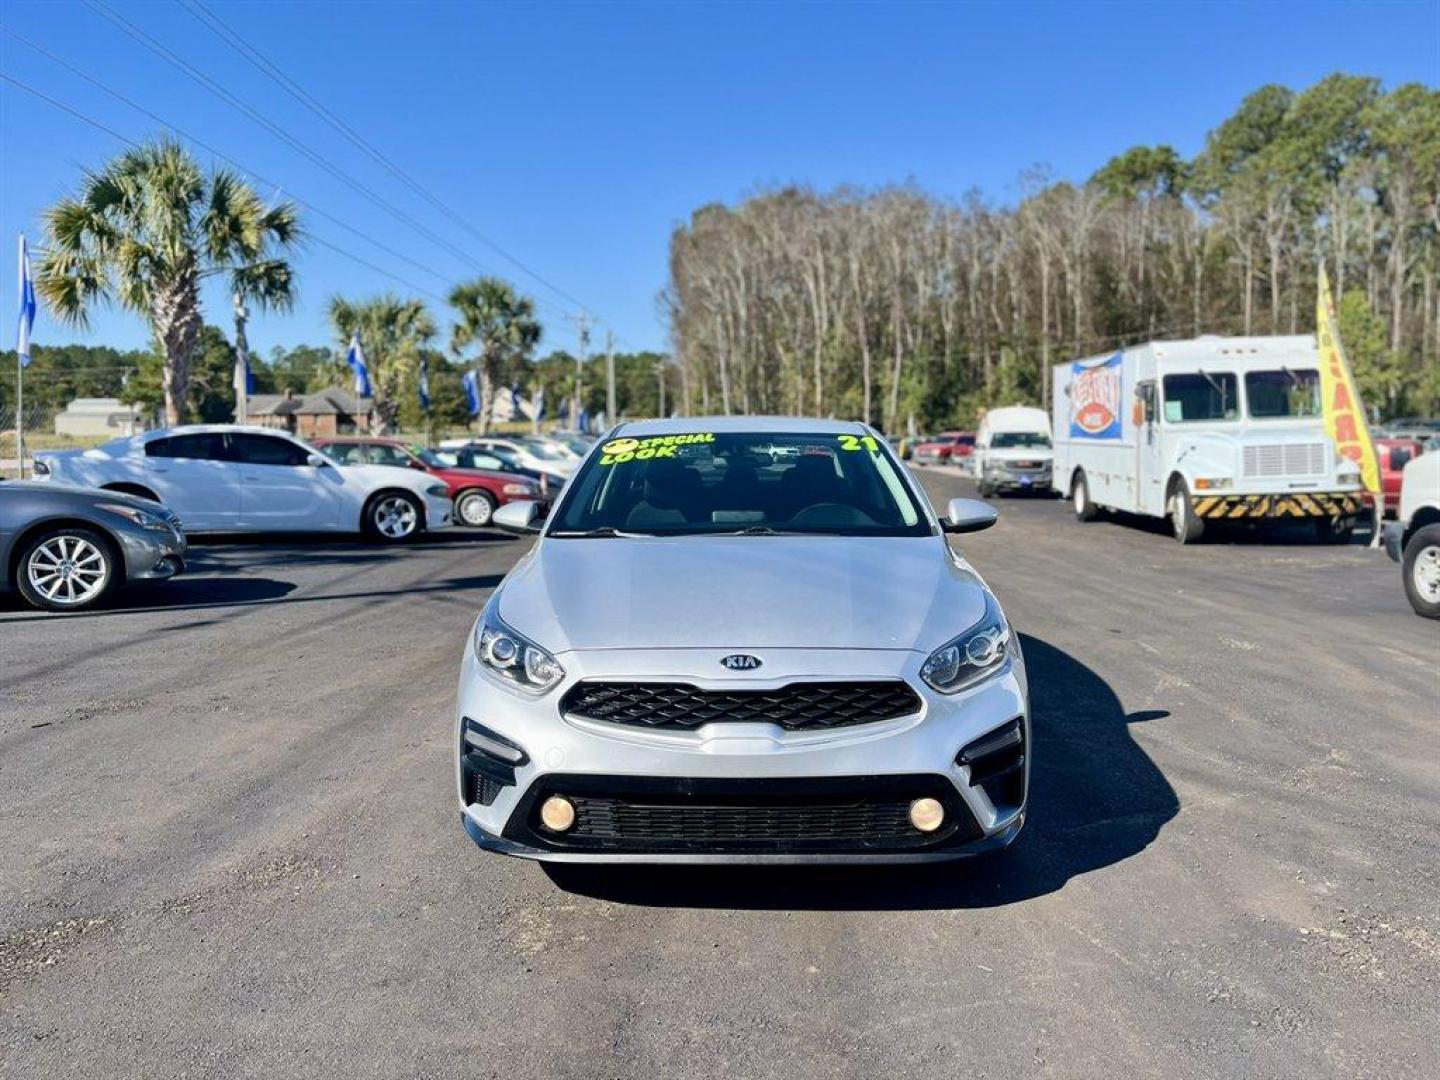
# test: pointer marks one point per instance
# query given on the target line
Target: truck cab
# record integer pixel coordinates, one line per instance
(1200, 431)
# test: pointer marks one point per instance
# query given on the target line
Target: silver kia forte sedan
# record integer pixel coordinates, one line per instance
(743, 640)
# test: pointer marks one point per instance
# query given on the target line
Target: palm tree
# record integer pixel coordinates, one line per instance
(145, 231)
(501, 322)
(392, 332)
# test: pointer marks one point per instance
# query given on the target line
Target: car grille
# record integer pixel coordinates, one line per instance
(710, 815)
(800, 706)
(1284, 459)
(615, 819)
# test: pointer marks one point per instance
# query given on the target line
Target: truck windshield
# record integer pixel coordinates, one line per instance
(1201, 395)
(739, 483)
(1273, 395)
(1012, 440)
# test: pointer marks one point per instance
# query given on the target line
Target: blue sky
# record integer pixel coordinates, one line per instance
(577, 136)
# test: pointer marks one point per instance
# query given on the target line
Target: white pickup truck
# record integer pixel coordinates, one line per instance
(1413, 539)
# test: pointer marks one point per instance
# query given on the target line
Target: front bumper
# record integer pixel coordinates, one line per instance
(1012, 480)
(1294, 505)
(150, 554)
(729, 772)
(439, 512)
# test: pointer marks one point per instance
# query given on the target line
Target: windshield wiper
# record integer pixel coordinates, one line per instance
(766, 530)
(604, 532)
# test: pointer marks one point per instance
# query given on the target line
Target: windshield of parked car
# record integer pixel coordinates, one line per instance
(1014, 440)
(546, 451)
(708, 482)
(1274, 395)
(431, 458)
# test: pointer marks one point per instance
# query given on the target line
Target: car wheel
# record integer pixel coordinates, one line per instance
(392, 517)
(66, 569)
(987, 489)
(1421, 564)
(1188, 525)
(1085, 510)
(475, 508)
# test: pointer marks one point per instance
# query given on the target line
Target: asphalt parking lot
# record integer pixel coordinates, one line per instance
(229, 844)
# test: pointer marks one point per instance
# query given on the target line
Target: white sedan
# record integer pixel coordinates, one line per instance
(224, 478)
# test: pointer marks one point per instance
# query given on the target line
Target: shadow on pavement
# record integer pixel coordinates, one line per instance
(1096, 799)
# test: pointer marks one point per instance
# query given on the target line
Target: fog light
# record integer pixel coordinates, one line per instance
(557, 813)
(927, 815)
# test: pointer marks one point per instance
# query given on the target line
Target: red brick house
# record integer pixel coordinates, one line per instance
(327, 412)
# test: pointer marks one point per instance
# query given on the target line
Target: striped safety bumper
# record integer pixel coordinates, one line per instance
(1309, 504)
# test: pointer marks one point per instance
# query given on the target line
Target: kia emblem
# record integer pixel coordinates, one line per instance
(740, 662)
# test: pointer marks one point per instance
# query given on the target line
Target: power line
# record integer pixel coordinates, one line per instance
(195, 74)
(226, 33)
(131, 142)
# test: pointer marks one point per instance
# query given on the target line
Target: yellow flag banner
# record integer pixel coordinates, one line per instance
(1344, 414)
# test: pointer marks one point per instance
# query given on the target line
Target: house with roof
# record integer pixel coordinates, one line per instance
(329, 412)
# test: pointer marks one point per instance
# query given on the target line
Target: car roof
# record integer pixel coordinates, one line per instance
(746, 425)
(206, 429)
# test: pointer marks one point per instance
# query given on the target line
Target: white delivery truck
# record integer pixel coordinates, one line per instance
(1012, 450)
(1199, 431)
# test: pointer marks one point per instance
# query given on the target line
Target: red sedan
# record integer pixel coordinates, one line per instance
(476, 492)
(949, 446)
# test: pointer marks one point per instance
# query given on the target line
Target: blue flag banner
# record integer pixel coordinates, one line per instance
(472, 392)
(356, 359)
(249, 377)
(583, 424)
(515, 412)
(540, 404)
(27, 306)
(424, 385)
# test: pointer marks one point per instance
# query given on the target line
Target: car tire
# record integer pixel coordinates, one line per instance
(1421, 568)
(474, 508)
(393, 517)
(987, 490)
(1187, 525)
(66, 569)
(1085, 510)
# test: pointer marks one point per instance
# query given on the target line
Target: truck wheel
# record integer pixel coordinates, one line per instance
(1188, 525)
(1085, 510)
(1421, 566)
(475, 508)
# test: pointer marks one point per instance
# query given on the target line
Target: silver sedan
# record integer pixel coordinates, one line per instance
(743, 640)
(65, 548)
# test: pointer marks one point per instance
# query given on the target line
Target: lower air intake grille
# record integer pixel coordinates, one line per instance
(613, 819)
(796, 707)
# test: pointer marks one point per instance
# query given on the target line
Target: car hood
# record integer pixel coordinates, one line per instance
(460, 472)
(742, 592)
(373, 476)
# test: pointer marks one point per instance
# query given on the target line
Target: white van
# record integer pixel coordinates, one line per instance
(1203, 430)
(1012, 451)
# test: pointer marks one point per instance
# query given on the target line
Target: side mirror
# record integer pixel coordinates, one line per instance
(521, 516)
(967, 516)
(316, 461)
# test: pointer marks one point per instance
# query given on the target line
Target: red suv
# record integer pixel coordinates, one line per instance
(476, 492)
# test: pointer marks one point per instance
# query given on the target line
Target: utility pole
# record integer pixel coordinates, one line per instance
(610, 413)
(582, 326)
(242, 363)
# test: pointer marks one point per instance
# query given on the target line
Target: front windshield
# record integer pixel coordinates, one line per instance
(705, 482)
(431, 458)
(1015, 440)
(545, 450)
(1283, 394)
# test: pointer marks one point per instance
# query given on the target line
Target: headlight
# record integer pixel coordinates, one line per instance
(974, 656)
(513, 657)
(1217, 483)
(438, 491)
(519, 489)
(144, 518)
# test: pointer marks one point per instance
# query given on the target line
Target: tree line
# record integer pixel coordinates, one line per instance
(901, 307)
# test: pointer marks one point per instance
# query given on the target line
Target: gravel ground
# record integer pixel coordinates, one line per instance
(229, 844)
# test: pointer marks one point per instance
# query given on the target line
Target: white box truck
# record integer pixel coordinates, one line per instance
(1199, 431)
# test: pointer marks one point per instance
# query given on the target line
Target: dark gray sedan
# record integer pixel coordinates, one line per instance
(66, 547)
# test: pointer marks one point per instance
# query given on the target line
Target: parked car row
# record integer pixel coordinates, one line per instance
(93, 519)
